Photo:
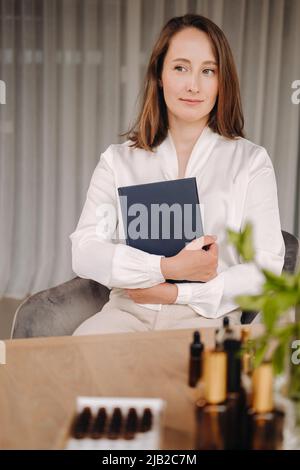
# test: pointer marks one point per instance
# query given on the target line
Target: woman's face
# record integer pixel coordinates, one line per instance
(190, 72)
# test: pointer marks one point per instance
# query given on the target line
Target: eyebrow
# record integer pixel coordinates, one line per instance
(206, 62)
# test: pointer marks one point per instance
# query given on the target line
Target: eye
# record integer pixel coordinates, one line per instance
(206, 71)
(178, 67)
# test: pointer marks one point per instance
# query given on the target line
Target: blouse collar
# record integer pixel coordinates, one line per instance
(200, 153)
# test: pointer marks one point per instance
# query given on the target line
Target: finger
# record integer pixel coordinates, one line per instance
(214, 249)
(209, 239)
(199, 243)
(195, 244)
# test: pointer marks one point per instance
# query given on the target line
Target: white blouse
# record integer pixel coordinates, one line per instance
(236, 183)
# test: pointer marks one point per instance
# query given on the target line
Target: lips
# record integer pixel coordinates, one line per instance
(191, 101)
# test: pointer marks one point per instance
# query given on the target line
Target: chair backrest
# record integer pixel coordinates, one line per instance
(291, 262)
(291, 258)
(58, 311)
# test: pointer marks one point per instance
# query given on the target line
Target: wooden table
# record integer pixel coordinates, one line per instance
(43, 377)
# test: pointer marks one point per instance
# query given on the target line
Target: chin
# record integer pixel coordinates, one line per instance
(189, 118)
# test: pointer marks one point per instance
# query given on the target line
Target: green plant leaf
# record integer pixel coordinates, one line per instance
(285, 333)
(279, 356)
(275, 282)
(278, 295)
(233, 237)
(285, 300)
(250, 302)
(247, 249)
(260, 352)
(298, 287)
(270, 312)
(242, 242)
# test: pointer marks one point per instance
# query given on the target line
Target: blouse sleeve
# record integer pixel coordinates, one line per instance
(215, 298)
(95, 252)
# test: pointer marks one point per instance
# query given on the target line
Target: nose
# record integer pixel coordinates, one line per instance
(192, 85)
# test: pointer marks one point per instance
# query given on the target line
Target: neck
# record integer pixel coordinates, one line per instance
(185, 135)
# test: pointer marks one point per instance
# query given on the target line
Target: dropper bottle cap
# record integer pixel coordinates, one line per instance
(196, 345)
(227, 331)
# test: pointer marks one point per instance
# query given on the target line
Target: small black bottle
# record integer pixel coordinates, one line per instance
(211, 410)
(264, 423)
(236, 397)
(195, 364)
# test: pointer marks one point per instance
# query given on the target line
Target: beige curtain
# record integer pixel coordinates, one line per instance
(73, 70)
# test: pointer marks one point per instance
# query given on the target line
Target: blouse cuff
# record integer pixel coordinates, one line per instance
(184, 294)
(154, 269)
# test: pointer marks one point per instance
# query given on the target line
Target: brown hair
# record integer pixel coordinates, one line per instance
(226, 117)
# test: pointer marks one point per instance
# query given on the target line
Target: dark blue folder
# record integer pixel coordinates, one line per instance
(161, 218)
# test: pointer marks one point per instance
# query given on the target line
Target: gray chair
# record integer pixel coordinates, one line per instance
(291, 261)
(60, 310)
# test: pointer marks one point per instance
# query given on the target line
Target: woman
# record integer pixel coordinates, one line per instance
(190, 124)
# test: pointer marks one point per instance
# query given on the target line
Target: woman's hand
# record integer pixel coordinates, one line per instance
(165, 293)
(193, 263)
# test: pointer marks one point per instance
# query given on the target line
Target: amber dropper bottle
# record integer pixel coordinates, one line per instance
(211, 410)
(81, 424)
(265, 424)
(223, 333)
(115, 424)
(195, 364)
(98, 427)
